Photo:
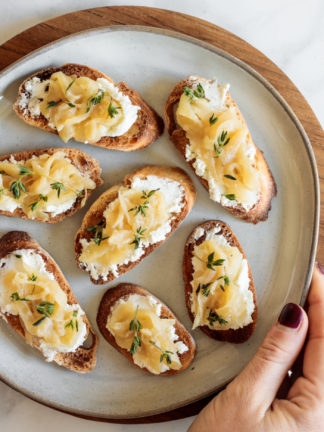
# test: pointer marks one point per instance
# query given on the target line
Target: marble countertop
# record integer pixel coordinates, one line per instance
(290, 33)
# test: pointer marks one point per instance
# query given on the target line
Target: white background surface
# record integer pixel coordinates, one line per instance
(290, 33)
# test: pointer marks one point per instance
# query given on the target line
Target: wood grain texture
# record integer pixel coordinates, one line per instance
(56, 28)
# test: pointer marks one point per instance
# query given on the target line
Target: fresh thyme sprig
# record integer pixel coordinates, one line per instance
(69, 86)
(199, 92)
(222, 141)
(95, 99)
(58, 186)
(210, 263)
(15, 297)
(138, 237)
(204, 288)
(35, 204)
(17, 186)
(70, 324)
(226, 282)
(46, 309)
(212, 119)
(165, 353)
(213, 317)
(52, 104)
(141, 208)
(230, 177)
(135, 326)
(231, 197)
(97, 229)
(112, 110)
(33, 278)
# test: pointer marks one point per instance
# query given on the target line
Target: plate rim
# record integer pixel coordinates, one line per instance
(274, 92)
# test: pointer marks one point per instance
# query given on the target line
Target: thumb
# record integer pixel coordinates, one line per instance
(275, 356)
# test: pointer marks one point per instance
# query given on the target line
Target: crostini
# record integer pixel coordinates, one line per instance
(78, 102)
(46, 185)
(131, 219)
(145, 330)
(219, 289)
(209, 131)
(38, 303)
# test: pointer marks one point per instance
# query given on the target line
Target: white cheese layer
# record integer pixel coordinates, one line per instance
(160, 331)
(122, 224)
(25, 287)
(220, 298)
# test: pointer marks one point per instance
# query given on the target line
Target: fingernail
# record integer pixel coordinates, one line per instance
(320, 268)
(291, 316)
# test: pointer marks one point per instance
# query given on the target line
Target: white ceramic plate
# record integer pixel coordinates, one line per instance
(280, 250)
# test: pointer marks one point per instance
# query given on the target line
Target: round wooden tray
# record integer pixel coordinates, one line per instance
(54, 29)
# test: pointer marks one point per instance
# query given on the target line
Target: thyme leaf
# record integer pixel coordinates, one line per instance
(58, 186)
(135, 326)
(138, 237)
(112, 110)
(213, 317)
(165, 353)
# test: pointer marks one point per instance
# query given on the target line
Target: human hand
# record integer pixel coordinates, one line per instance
(249, 402)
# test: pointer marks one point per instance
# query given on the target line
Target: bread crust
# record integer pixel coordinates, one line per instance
(268, 188)
(83, 360)
(234, 336)
(147, 128)
(123, 291)
(83, 162)
(95, 213)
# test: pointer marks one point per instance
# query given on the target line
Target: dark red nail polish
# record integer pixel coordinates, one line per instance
(320, 268)
(291, 316)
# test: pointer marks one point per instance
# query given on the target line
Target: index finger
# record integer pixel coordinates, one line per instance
(313, 364)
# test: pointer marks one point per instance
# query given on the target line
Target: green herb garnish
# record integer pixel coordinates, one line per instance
(46, 309)
(205, 289)
(70, 85)
(148, 194)
(33, 278)
(231, 197)
(70, 104)
(52, 104)
(211, 263)
(165, 353)
(15, 297)
(199, 92)
(39, 321)
(141, 208)
(135, 326)
(1, 191)
(17, 256)
(58, 186)
(95, 99)
(97, 229)
(35, 204)
(17, 186)
(213, 317)
(212, 119)
(112, 111)
(230, 177)
(138, 237)
(222, 141)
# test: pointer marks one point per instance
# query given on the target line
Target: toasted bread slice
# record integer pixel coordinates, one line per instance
(82, 359)
(122, 292)
(84, 163)
(94, 216)
(268, 189)
(197, 237)
(146, 129)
